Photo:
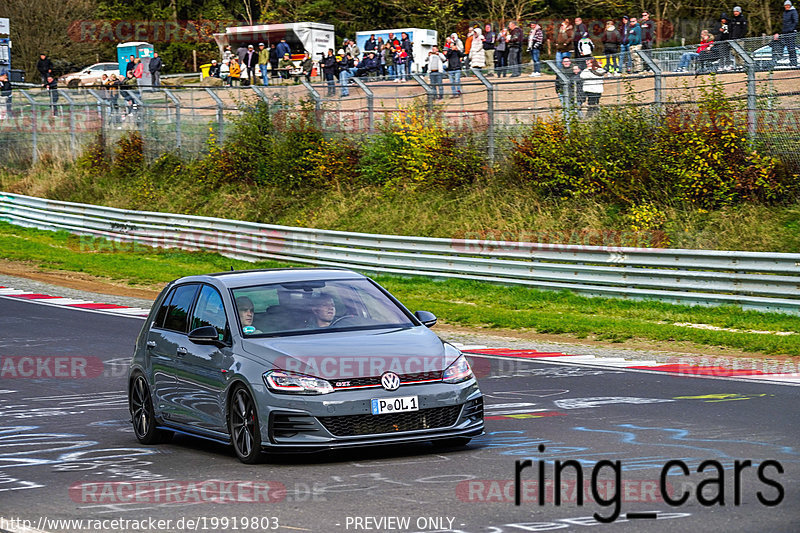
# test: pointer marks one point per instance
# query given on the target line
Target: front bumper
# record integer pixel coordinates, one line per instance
(343, 419)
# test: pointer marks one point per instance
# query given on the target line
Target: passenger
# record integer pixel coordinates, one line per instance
(246, 310)
(323, 311)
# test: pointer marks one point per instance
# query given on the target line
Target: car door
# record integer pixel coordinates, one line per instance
(200, 375)
(167, 345)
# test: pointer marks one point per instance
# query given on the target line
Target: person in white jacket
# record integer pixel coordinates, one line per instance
(477, 58)
(592, 77)
(436, 63)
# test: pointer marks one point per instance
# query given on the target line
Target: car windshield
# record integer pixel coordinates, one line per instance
(315, 306)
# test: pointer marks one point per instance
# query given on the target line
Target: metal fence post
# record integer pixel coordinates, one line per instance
(177, 105)
(220, 117)
(750, 67)
(489, 109)
(34, 127)
(658, 96)
(428, 89)
(103, 116)
(73, 142)
(260, 93)
(370, 103)
(565, 84)
(317, 100)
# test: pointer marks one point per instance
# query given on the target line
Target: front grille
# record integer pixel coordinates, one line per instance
(351, 425)
(285, 426)
(376, 381)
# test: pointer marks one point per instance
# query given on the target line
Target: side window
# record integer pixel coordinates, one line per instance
(179, 306)
(210, 311)
(162, 311)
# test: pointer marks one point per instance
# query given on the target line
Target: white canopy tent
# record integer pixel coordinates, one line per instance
(313, 37)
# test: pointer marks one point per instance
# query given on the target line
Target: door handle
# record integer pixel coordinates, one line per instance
(181, 351)
(151, 344)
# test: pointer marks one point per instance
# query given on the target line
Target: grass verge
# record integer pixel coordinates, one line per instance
(464, 303)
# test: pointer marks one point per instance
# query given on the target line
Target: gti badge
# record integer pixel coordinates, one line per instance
(390, 381)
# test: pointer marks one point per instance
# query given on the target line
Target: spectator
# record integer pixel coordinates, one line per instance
(5, 94)
(738, 24)
(250, 64)
(112, 91)
(576, 89)
(127, 91)
(274, 59)
(789, 28)
(721, 35)
(263, 63)
(436, 62)
(307, 64)
(138, 71)
(468, 45)
(225, 72)
(371, 43)
(369, 66)
(44, 66)
(489, 37)
(401, 63)
(535, 41)
(328, 65)
(155, 67)
(351, 48)
(648, 31)
(241, 53)
(635, 44)
(453, 67)
(457, 42)
(592, 77)
(285, 67)
(214, 69)
(577, 35)
(227, 54)
(610, 40)
(388, 56)
(562, 86)
(515, 38)
(393, 41)
(235, 71)
(501, 53)
(408, 48)
(51, 84)
(706, 43)
(585, 49)
(381, 53)
(564, 40)
(130, 66)
(477, 57)
(347, 69)
(624, 46)
(283, 48)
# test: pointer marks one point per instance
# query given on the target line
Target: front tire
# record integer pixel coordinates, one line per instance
(143, 416)
(244, 428)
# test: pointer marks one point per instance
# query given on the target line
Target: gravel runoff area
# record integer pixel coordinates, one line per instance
(461, 338)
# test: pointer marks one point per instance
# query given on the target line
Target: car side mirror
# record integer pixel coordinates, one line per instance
(205, 335)
(427, 318)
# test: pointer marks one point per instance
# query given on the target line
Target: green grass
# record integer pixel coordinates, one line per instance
(465, 303)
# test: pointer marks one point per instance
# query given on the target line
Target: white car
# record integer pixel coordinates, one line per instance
(763, 57)
(88, 76)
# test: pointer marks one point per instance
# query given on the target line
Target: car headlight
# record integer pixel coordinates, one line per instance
(294, 383)
(457, 372)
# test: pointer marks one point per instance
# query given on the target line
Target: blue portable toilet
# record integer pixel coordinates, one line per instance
(142, 50)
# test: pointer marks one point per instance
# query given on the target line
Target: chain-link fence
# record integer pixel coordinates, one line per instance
(756, 75)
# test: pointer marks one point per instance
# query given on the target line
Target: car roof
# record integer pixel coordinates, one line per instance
(248, 278)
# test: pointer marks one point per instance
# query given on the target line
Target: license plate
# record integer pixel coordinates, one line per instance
(395, 405)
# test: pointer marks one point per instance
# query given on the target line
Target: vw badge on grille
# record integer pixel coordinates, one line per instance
(390, 381)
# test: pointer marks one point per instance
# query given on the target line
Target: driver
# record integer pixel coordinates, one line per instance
(323, 310)
(246, 309)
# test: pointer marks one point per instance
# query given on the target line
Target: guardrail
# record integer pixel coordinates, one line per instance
(752, 280)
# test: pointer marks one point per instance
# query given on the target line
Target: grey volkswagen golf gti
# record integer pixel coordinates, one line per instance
(296, 360)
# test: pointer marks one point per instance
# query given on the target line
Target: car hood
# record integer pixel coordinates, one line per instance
(352, 354)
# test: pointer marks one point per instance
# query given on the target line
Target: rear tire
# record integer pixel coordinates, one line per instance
(143, 416)
(244, 428)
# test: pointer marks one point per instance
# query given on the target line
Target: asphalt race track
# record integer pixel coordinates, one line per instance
(67, 451)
